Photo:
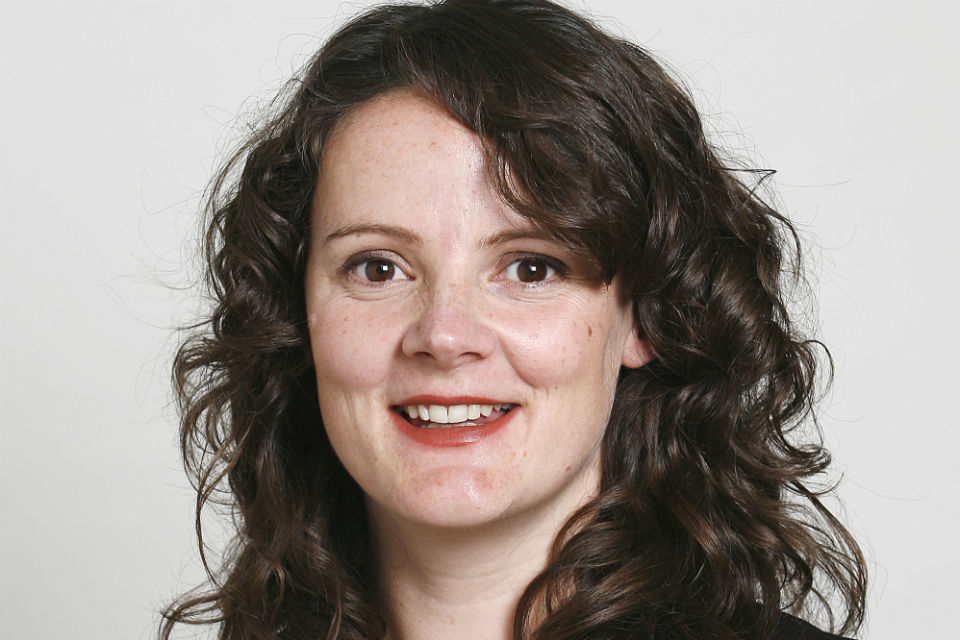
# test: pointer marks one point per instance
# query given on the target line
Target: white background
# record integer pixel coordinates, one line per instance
(114, 113)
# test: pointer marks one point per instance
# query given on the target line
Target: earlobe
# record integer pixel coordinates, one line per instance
(636, 352)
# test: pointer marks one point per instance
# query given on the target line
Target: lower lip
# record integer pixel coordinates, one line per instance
(451, 436)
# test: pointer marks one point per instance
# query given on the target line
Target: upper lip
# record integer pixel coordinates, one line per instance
(428, 399)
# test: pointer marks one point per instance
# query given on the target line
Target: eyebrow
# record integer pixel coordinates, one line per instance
(522, 233)
(379, 229)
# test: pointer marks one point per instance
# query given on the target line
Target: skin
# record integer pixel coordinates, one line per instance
(420, 280)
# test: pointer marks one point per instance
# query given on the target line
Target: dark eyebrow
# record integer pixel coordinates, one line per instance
(379, 229)
(522, 233)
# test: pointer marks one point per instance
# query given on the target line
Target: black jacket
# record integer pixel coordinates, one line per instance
(791, 628)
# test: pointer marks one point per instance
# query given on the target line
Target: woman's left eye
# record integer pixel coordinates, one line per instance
(533, 269)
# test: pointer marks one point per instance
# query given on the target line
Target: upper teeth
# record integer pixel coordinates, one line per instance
(441, 414)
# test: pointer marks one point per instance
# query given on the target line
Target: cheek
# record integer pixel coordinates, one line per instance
(351, 349)
(352, 357)
(552, 346)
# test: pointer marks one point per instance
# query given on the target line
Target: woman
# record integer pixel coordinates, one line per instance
(500, 349)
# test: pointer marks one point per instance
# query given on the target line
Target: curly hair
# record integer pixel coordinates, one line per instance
(706, 523)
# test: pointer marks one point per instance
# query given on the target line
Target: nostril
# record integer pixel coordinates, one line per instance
(449, 333)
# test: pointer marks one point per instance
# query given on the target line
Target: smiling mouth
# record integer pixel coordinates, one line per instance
(436, 416)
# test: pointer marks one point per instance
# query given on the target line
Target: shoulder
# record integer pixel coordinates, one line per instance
(791, 628)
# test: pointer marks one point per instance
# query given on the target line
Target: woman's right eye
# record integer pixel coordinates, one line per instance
(374, 269)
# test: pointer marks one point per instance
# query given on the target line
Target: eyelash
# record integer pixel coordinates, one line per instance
(349, 268)
(560, 270)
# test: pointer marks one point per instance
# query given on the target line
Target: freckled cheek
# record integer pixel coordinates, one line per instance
(352, 348)
(548, 348)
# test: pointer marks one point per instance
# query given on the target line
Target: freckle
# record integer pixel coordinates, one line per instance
(589, 330)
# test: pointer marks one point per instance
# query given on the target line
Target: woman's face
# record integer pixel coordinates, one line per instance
(426, 295)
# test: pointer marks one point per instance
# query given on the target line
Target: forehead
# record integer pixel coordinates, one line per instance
(401, 124)
(402, 152)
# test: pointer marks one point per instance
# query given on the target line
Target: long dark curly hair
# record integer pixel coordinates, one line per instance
(707, 523)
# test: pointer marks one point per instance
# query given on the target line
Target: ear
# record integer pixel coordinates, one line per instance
(636, 351)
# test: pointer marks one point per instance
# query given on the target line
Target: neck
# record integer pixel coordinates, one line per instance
(460, 584)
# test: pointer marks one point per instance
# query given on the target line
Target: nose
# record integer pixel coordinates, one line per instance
(449, 330)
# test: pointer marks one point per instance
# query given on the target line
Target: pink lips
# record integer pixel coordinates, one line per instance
(450, 436)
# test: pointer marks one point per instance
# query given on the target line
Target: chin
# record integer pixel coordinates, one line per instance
(450, 497)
